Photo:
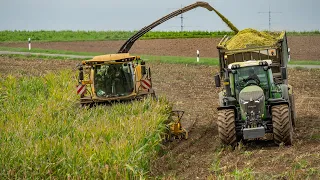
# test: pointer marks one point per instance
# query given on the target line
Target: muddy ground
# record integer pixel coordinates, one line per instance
(302, 47)
(191, 88)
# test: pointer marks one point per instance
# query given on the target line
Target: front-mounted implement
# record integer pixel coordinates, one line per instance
(175, 128)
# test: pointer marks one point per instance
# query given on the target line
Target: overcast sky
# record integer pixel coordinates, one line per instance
(296, 15)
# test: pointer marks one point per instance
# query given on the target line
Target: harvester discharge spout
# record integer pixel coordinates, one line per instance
(129, 43)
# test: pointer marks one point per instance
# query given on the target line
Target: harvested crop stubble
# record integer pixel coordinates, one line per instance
(251, 37)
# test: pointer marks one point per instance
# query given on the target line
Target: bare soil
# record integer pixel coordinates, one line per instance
(302, 47)
(191, 88)
(32, 67)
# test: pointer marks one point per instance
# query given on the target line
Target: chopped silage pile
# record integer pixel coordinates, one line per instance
(250, 38)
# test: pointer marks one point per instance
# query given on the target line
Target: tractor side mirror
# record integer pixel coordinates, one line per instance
(284, 73)
(143, 68)
(149, 73)
(81, 73)
(217, 80)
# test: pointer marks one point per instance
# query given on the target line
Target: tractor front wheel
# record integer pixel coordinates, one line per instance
(227, 127)
(282, 125)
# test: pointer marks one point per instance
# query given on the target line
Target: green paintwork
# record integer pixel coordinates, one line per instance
(232, 84)
(271, 86)
(251, 88)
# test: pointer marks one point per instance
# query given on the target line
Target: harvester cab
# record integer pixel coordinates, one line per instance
(114, 77)
(256, 99)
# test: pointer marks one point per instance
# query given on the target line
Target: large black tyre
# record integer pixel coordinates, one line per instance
(293, 110)
(282, 125)
(227, 127)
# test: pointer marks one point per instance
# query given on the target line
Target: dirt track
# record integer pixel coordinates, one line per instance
(302, 47)
(191, 89)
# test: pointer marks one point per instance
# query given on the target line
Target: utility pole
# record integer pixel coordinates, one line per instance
(181, 17)
(269, 12)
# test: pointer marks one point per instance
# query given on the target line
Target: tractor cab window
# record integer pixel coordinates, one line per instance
(252, 75)
(111, 80)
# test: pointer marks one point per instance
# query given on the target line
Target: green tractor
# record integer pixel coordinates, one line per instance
(256, 99)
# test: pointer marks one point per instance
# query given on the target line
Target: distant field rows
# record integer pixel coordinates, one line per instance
(302, 47)
(12, 36)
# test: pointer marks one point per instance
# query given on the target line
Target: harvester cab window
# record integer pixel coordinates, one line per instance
(113, 80)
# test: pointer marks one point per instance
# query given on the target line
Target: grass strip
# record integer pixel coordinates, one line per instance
(48, 51)
(148, 58)
(68, 35)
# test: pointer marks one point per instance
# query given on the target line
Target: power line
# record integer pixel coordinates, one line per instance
(270, 12)
(181, 17)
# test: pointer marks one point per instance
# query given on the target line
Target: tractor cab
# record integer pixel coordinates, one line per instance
(246, 78)
(250, 73)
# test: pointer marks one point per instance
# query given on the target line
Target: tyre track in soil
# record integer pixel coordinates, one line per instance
(191, 88)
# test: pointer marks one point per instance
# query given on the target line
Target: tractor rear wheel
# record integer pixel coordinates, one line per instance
(227, 127)
(282, 125)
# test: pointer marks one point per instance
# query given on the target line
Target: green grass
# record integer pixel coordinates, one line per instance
(305, 62)
(44, 134)
(48, 51)
(12, 36)
(180, 60)
(148, 58)
(67, 35)
(42, 57)
(303, 33)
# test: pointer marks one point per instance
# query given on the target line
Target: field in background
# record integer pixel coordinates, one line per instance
(12, 36)
(147, 58)
(44, 133)
(302, 47)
